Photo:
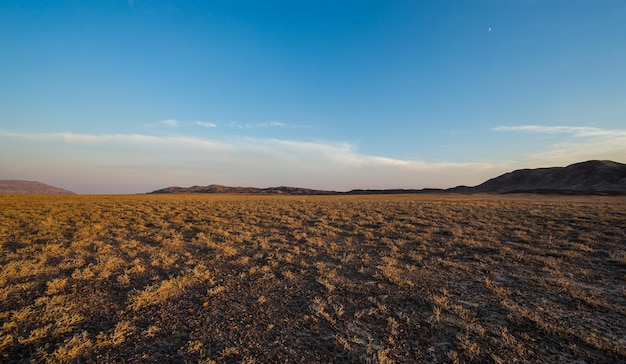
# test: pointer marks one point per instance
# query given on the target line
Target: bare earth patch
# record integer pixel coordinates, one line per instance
(364, 279)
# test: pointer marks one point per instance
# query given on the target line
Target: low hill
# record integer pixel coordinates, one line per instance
(282, 190)
(585, 178)
(31, 188)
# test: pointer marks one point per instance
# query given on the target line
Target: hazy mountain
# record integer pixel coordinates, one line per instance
(30, 187)
(586, 178)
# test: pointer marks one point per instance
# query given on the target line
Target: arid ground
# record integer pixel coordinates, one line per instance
(369, 279)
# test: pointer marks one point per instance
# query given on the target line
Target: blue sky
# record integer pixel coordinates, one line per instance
(131, 96)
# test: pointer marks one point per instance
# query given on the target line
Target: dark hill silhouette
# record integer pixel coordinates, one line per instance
(30, 187)
(282, 190)
(585, 178)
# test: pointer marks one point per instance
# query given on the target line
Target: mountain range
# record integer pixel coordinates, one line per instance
(586, 178)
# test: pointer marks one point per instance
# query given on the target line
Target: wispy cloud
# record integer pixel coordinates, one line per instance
(170, 122)
(272, 124)
(348, 155)
(206, 125)
(574, 143)
(135, 140)
(547, 129)
(185, 160)
(268, 124)
(575, 131)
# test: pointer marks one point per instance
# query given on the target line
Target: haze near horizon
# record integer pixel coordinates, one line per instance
(132, 96)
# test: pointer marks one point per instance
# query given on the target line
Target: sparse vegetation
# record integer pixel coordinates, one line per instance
(369, 279)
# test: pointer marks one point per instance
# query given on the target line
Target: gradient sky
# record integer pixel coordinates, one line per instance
(131, 96)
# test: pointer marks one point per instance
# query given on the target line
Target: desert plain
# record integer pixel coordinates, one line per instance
(343, 279)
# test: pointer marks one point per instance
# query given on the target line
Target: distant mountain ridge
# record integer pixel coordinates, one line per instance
(30, 187)
(282, 190)
(586, 178)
